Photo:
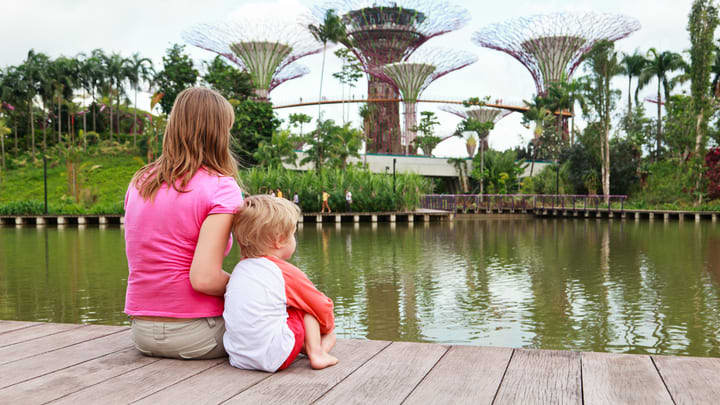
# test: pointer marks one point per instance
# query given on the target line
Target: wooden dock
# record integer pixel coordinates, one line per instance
(421, 215)
(77, 364)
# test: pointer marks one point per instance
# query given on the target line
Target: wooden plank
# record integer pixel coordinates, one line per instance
(691, 380)
(218, 384)
(34, 332)
(19, 371)
(300, 384)
(464, 375)
(388, 377)
(9, 326)
(72, 379)
(541, 377)
(621, 379)
(53, 342)
(141, 382)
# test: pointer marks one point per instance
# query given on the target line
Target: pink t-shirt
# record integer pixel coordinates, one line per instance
(160, 240)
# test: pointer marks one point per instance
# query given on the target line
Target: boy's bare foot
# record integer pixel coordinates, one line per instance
(324, 360)
(327, 342)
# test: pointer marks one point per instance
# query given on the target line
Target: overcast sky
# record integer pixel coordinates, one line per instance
(68, 27)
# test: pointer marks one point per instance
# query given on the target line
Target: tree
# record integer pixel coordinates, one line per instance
(427, 140)
(178, 74)
(332, 30)
(33, 73)
(632, 66)
(538, 115)
(140, 70)
(482, 130)
(332, 144)
(659, 66)
(116, 69)
(351, 71)
(281, 149)
(501, 171)
(232, 83)
(255, 122)
(298, 119)
(701, 25)
(603, 65)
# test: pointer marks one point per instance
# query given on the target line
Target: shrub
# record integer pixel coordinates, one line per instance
(22, 208)
(712, 173)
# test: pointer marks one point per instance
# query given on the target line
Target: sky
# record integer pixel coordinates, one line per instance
(68, 27)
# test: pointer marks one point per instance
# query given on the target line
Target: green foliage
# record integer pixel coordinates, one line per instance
(22, 208)
(502, 171)
(701, 25)
(351, 67)
(427, 141)
(232, 83)
(680, 125)
(332, 144)
(178, 74)
(545, 182)
(255, 122)
(280, 150)
(371, 192)
(667, 183)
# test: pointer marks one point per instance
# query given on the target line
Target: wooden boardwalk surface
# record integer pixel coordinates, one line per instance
(78, 364)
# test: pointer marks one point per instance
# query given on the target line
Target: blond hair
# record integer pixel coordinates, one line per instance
(197, 135)
(264, 221)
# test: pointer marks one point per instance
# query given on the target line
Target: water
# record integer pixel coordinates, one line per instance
(591, 285)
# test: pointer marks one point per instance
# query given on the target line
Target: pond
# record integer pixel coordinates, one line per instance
(570, 284)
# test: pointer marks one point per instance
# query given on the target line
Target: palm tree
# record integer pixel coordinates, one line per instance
(537, 114)
(33, 72)
(116, 70)
(557, 99)
(632, 66)
(141, 69)
(332, 30)
(96, 72)
(658, 66)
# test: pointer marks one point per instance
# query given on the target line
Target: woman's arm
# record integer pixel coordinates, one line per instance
(206, 273)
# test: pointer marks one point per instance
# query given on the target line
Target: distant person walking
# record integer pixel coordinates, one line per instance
(279, 193)
(348, 200)
(325, 197)
(296, 199)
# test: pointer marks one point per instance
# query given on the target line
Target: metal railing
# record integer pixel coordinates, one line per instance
(520, 202)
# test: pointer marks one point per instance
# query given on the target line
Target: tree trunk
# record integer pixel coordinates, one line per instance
(117, 118)
(322, 74)
(134, 129)
(605, 148)
(15, 134)
(84, 117)
(482, 167)
(59, 117)
(700, 133)
(629, 98)
(2, 147)
(659, 124)
(94, 104)
(32, 128)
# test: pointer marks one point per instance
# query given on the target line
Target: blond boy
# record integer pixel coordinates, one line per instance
(272, 310)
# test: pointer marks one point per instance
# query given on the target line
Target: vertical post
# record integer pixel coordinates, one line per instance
(394, 162)
(45, 181)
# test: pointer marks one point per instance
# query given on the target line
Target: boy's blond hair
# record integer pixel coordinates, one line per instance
(262, 222)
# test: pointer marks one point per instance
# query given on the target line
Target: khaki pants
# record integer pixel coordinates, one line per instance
(200, 338)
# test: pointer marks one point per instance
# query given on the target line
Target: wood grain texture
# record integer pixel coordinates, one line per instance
(691, 380)
(218, 384)
(13, 373)
(53, 342)
(9, 326)
(141, 382)
(541, 377)
(464, 375)
(299, 384)
(621, 379)
(34, 332)
(66, 381)
(388, 377)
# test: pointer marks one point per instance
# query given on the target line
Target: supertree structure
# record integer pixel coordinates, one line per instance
(412, 76)
(552, 46)
(266, 48)
(480, 114)
(380, 32)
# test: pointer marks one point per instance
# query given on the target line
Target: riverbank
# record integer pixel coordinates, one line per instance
(77, 363)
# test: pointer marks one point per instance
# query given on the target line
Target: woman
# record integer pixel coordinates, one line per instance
(178, 212)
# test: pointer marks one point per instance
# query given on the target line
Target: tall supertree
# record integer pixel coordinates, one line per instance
(415, 74)
(266, 48)
(381, 32)
(552, 46)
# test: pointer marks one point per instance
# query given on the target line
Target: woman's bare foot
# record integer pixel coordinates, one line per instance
(322, 360)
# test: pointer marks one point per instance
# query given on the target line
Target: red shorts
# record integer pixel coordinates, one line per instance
(297, 326)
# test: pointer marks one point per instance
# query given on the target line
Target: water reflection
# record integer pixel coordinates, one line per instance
(577, 284)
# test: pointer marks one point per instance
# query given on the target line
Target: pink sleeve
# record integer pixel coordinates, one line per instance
(227, 198)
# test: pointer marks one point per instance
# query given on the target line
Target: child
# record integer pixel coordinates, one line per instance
(272, 310)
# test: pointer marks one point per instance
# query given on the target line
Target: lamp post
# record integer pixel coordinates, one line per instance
(45, 181)
(394, 163)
